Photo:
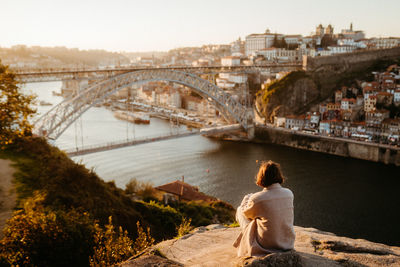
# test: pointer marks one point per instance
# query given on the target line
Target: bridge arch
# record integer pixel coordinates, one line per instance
(60, 117)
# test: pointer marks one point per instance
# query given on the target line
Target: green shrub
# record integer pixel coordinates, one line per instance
(68, 185)
(204, 213)
(132, 186)
(142, 189)
(164, 219)
(36, 236)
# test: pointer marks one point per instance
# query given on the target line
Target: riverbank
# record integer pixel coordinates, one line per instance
(332, 145)
(212, 246)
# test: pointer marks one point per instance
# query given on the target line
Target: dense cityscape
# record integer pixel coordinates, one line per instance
(368, 110)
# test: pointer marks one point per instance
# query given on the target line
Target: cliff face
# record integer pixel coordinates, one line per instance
(290, 95)
(212, 246)
(300, 90)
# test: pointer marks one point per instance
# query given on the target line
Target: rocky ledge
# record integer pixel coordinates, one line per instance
(212, 246)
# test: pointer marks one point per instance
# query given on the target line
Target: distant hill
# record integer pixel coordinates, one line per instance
(58, 57)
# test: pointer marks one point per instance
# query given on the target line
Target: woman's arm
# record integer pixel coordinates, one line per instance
(247, 207)
(249, 211)
(245, 201)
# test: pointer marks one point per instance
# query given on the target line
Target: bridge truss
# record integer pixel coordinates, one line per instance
(60, 117)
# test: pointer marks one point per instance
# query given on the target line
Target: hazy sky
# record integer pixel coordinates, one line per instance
(144, 25)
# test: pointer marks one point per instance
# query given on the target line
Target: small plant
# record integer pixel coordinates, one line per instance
(185, 227)
(112, 247)
(144, 239)
(233, 225)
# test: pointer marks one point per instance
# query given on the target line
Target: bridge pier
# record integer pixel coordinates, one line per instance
(250, 132)
(73, 87)
(250, 129)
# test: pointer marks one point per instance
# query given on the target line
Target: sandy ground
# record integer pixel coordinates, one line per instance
(7, 194)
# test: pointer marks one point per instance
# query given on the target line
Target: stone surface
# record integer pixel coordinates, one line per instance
(150, 260)
(212, 246)
(277, 260)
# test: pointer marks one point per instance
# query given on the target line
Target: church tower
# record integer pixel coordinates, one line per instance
(320, 30)
(329, 30)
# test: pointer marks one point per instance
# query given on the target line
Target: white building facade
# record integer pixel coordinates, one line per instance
(230, 61)
(256, 42)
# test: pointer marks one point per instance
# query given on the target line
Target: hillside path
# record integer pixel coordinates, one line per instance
(7, 194)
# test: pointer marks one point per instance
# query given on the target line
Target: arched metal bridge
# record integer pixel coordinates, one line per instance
(60, 117)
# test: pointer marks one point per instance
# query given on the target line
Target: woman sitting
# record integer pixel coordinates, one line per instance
(266, 217)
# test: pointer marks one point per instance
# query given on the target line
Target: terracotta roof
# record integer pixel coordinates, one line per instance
(369, 89)
(296, 117)
(385, 93)
(375, 84)
(382, 111)
(389, 120)
(185, 191)
(348, 99)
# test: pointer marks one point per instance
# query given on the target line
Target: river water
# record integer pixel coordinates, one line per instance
(350, 197)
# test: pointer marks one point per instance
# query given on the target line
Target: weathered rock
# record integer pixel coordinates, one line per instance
(284, 259)
(312, 248)
(150, 261)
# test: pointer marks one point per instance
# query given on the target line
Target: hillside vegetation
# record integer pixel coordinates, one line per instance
(288, 95)
(65, 200)
(298, 91)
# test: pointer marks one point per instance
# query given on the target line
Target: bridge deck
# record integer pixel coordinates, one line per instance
(54, 71)
(119, 144)
(124, 143)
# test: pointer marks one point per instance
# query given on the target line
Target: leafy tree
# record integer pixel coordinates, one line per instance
(15, 109)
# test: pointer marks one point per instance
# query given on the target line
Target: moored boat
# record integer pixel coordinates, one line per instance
(135, 117)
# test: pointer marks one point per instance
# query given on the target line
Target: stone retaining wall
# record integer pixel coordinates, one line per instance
(353, 149)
